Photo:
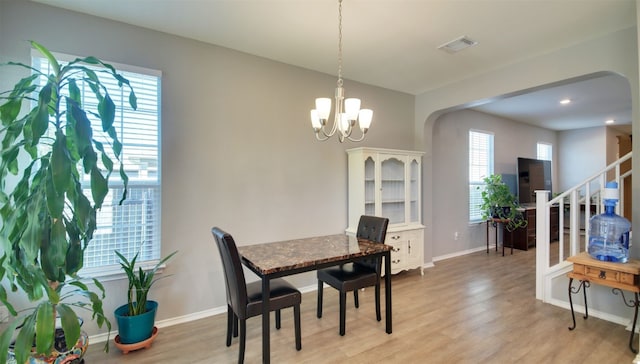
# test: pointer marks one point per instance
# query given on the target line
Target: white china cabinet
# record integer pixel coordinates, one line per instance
(387, 183)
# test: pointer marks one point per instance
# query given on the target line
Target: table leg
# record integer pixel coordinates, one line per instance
(495, 228)
(387, 290)
(487, 237)
(265, 321)
(633, 328)
(573, 315)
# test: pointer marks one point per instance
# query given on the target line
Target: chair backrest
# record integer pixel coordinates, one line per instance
(372, 228)
(233, 273)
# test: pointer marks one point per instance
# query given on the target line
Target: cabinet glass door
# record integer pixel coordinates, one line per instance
(414, 173)
(393, 190)
(369, 187)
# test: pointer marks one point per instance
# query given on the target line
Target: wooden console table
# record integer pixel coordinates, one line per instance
(618, 276)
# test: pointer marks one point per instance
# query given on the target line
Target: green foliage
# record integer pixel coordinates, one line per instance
(498, 202)
(140, 282)
(47, 221)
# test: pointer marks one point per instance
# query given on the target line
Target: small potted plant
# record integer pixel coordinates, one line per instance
(136, 318)
(499, 203)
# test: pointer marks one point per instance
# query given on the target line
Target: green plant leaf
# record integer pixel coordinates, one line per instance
(40, 119)
(55, 201)
(74, 257)
(99, 187)
(107, 110)
(45, 327)
(83, 130)
(70, 323)
(60, 164)
(45, 52)
(5, 339)
(24, 341)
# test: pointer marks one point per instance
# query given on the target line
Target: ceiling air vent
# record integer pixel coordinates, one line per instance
(458, 44)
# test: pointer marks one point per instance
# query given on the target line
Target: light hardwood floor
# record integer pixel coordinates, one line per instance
(479, 308)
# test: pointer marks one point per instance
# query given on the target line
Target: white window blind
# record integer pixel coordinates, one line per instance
(544, 151)
(134, 226)
(480, 166)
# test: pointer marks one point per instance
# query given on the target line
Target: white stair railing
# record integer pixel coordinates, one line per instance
(576, 206)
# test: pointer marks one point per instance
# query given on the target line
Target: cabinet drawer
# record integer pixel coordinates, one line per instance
(398, 253)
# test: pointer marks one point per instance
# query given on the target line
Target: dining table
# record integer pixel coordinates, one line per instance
(283, 258)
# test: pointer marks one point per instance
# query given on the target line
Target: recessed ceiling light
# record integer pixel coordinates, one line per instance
(565, 101)
(609, 121)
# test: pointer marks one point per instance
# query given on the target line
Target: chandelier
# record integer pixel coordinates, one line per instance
(347, 111)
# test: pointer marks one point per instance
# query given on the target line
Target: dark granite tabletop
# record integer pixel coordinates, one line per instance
(286, 255)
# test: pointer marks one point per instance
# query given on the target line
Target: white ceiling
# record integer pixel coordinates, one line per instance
(393, 43)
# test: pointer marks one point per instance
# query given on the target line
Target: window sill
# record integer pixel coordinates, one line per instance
(115, 272)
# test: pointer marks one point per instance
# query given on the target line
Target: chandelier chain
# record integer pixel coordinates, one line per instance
(339, 43)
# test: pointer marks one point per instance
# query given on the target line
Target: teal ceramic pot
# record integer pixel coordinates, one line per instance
(134, 329)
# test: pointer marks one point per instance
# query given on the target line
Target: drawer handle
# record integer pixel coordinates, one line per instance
(396, 249)
(395, 261)
(395, 237)
(602, 275)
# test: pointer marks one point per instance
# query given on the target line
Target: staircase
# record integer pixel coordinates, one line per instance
(576, 206)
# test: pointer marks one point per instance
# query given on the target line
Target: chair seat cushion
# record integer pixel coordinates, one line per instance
(283, 294)
(348, 277)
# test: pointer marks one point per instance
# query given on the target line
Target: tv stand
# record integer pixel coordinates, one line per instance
(525, 237)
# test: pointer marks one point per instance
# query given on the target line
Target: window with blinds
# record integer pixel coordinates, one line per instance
(544, 151)
(135, 225)
(480, 166)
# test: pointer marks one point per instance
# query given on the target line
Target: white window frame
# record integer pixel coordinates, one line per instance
(141, 182)
(481, 163)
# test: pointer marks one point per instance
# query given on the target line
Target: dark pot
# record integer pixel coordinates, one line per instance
(500, 212)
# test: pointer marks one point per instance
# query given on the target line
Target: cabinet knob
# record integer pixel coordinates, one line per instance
(602, 275)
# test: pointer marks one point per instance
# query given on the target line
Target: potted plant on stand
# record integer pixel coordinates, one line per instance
(136, 318)
(499, 203)
(50, 159)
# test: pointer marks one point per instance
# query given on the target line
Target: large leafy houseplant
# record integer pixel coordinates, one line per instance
(498, 202)
(47, 220)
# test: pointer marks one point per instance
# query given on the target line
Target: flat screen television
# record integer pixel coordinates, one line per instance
(533, 175)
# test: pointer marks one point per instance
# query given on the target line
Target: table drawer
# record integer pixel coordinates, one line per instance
(605, 274)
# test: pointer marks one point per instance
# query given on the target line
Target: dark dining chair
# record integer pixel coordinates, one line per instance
(356, 275)
(245, 300)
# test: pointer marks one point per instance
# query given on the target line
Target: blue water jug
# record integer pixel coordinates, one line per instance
(608, 232)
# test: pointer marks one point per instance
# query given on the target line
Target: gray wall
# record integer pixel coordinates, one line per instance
(238, 150)
(451, 172)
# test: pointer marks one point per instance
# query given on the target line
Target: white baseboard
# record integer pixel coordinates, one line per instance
(181, 319)
(463, 252)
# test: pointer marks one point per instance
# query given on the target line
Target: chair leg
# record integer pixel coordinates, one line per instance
(378, 316)
(235, 325)
(230, 321)
(277, 319)
(243, 339)
(296, 322)
(319, 310)
(355, 298)
(343, 311)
